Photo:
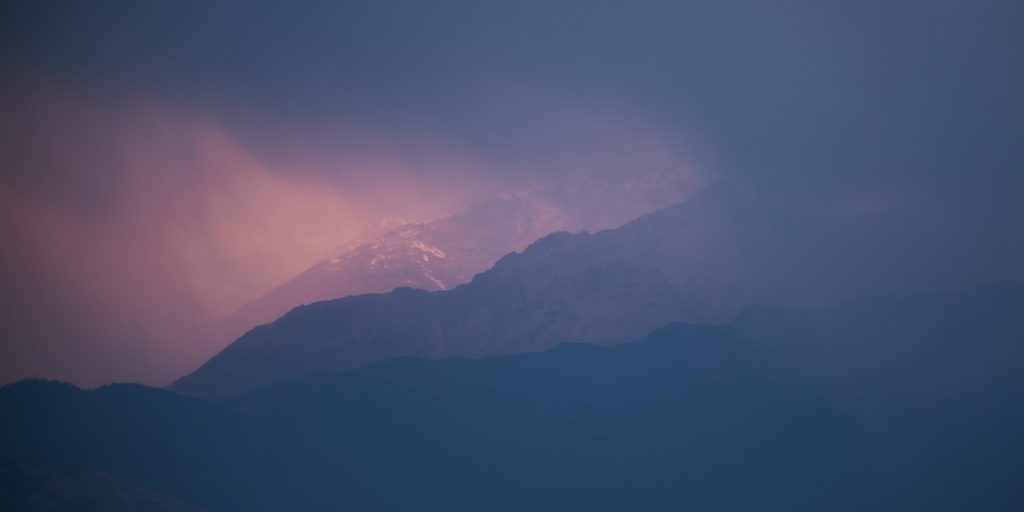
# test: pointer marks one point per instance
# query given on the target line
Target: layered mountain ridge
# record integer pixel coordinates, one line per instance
(699, 261)
(881, 403)
(446, 252)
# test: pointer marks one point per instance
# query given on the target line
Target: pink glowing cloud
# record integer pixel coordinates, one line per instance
(131, 226)
(135, 228)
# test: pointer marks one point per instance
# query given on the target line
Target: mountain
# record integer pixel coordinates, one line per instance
(35, 488)
(446, 252)
(893, 403)
(698, 261)
(150, 439)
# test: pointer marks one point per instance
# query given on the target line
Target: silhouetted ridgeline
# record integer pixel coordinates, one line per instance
(699, 261)
(46, 488)
(878, 404)
(444, 253)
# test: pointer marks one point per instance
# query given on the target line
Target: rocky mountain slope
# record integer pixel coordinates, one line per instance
(446, 252)
(699, 261)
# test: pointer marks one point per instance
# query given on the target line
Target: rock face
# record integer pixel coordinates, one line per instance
(909, 403)
(699, 261)
(444, 253)
(435, 255)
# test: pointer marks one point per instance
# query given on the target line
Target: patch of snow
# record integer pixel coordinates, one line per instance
(429, 249)
(440, 285)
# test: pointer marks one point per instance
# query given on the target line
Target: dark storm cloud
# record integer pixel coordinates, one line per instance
(798, 97)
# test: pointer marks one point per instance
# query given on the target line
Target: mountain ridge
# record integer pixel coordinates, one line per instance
(699, 261)
(445, 252)
(879, 403)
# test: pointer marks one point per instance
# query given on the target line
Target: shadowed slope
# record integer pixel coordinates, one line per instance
(443, 253)
(880, 404)
(699, 261)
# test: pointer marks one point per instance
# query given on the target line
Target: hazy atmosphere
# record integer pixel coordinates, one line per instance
(174, 174)
(164, 163)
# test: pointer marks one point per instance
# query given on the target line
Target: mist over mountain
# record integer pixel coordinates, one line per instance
(882, 403)
(550, 255)
(446, 252)
(699, 261)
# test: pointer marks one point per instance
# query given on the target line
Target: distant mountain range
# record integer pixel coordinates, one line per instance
(698, 261)
(443, 253)
(877, 404)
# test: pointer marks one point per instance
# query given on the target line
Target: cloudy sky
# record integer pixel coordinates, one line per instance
(164, 161)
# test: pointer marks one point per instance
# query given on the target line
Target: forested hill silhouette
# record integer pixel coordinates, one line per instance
(880, 404)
